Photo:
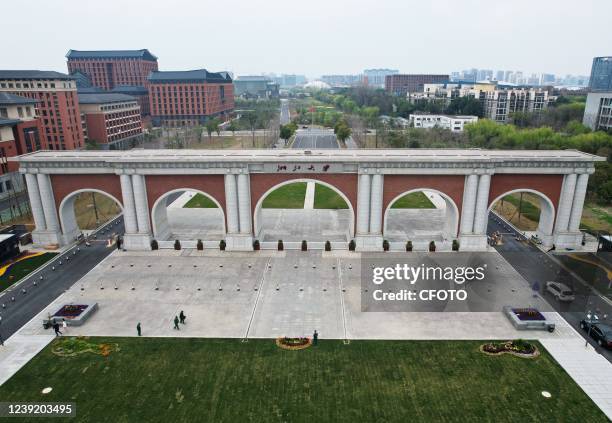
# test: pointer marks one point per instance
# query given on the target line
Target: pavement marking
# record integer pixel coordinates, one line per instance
(339, 266)
(259, 289)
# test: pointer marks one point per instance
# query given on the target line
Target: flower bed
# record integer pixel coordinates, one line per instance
(519, 348)
(293, 343)
(69, 347)
(71, 310)
(528, 314)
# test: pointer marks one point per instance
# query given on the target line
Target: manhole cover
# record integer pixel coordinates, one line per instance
(546, 394)
(47, 390)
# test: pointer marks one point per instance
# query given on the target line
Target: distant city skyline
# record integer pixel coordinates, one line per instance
(340, 37)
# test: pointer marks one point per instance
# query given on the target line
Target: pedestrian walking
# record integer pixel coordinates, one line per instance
(64, 325)
(56, 328)
(176, 323)
(182, 317)
(138, 329)
(315, 337)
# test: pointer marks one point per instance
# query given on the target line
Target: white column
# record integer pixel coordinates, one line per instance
(482, 204)
(35, 202)
(469, 203)
(244, 203)
(363, 204)
(565, 203)
(141, 204)
(231, 204)
(376, 200)
(578, 203)
(48, 202)
(129, 207)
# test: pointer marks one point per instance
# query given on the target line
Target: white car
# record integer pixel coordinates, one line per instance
(560, 291)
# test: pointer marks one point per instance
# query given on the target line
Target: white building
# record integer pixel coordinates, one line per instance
(452, 123)
(598, 111)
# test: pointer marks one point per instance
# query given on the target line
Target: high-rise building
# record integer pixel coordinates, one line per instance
(402, 84)
(598, 111)
(184, 98)
(57, 106)
(601, 74)
(376, 77)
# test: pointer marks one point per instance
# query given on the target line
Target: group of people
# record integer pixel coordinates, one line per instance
(56, 327)
(180, 319)
(495, 238)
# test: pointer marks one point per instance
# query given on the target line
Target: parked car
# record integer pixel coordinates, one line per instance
(560, 291)
(600, 332)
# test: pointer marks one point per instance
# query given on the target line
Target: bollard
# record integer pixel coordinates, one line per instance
(35, 283)
(220, 289)
(199, 289)
(73, 252)
(277, 288)
(41, 277)
(101, 287)
(60, 263)
(13, 299)
(156, 287)
(220, 265)
(78, 248)
(133, 287)
(82, 287)
(249, 265)
(350, 266)
(301, 289)
(237, 287)
(23, 291)
(295, 266)
(3, 305)
(314, 266)
(177, 288)
(116, 288)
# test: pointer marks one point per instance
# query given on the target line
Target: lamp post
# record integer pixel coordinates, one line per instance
(589, 316)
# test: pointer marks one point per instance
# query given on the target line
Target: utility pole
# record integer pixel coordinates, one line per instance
(520, 207)
(93, 199)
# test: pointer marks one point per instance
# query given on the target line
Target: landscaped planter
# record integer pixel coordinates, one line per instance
(73, 314)
(293, 343)
(528, 319)
(518, 348)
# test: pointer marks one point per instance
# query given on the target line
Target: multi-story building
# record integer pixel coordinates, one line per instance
(183, 98)
(598, 111)
(376, 77)
(110, 68)
(119, 71)
(57, 106)
(402, 84)
(20, 133)
(255, 86)
(342, 80)
(601, 74)
(112, 120)
(452, 123)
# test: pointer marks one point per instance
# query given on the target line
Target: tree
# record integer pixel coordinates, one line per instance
(465, 106)
(232, 127)
(252, 119)
(286, 132)
(342, 131)
(198, 130)
(212, 125)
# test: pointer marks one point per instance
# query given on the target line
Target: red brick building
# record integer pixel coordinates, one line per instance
(20, 133)
(402, 84)
(184, 98)
(112, 120)
(57, 104)
(111, 68)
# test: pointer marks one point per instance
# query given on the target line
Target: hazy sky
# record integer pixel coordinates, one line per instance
(315, 37)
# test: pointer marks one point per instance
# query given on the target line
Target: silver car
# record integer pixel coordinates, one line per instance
(560, 291)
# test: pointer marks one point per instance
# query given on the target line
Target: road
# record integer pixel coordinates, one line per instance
(538, 267)
(315, 138)
(284, 115)
(17, 313)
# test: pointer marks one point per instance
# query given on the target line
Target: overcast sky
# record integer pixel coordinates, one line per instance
(315, 37)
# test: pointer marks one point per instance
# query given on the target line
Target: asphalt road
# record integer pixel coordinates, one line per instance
(17, 313)
(284, 115)
(314, 138)
(538, 268)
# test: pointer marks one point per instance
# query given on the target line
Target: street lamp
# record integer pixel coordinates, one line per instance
(589, 317)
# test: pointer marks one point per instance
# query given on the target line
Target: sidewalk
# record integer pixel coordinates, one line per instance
(18, 350)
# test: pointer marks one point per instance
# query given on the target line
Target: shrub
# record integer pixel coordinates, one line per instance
(222, 245)
(352, 245)
(304, 245)
(385, 245)
(200, 245)
(256, 245)
(455, 245)
(432, 246)
(154, 245)
(409, 246)
(177, 244)
(327, 246)
(280, 246)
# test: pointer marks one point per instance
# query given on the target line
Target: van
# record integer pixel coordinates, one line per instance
(560, 291)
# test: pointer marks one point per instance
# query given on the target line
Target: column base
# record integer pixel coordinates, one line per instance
(137, 242)
(571, 240)
(369, 243)
(45, 238)
(238, 242)
(472, 243)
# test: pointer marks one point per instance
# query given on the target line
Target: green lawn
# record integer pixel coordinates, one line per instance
(290, 196)
(528, 209)
(414, 200)
(23, 268)
(225, 380)
(200, 201)
(327, 198)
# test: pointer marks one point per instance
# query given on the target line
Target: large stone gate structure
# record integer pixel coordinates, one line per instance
(369, 180)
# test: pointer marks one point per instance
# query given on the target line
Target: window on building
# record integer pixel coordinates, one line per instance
(3, 112)
(20, 111)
